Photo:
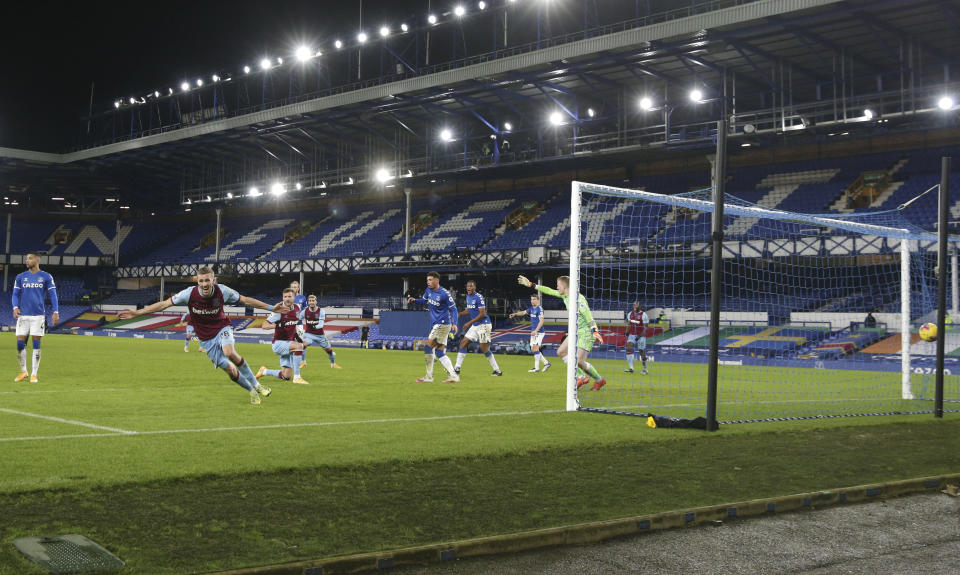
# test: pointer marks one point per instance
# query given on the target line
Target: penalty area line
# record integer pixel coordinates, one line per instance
(122, 433)
(68, 421)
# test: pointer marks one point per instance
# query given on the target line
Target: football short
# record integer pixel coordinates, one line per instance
(639, 341)
(214, 347)
(33, 325)
(537, 338)
(585, 339)
(282, 349)
(479, 333)
(317, 340)
(439, 333)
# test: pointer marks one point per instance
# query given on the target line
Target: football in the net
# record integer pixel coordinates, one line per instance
(928, 332)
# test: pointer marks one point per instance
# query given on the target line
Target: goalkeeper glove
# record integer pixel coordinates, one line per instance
(597, 337)
(524, 281)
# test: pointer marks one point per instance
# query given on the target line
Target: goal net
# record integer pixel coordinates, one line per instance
(795, 337)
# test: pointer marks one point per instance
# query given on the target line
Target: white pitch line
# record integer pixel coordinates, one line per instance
(121, 432)
(69, 421)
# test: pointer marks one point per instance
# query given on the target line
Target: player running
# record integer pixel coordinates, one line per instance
(587, 330)
(286, 342)
(535, 312)
(29, 290)
(301, 301)
(477, 329)
(637, 322)
(313, 318)
(205, 302)
(189, 332)
(443, 316)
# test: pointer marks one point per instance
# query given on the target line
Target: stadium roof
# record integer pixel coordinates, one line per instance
(806, 69)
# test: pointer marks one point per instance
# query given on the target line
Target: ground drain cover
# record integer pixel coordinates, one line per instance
(67, 554)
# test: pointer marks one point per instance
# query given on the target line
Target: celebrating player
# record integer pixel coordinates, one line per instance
(29, 290)
(313, 318)
(188, 332)
(301, 301)
(587, 330)
(286, 342)
(205, 302)
(637, 329)
(477, 329)
(535, 311)
(443, 315)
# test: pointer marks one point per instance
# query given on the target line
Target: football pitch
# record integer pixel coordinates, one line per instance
(158, 456)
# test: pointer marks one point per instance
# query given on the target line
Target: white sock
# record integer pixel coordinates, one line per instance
(447, 365)
(493, 362)
(36, 361)
(630, 358)
(460, 356)
(22, 356)
(543, 358)
(429, 357)
(536, 360)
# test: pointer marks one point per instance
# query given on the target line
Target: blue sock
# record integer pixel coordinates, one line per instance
(21, 345)
(273, 373)
(333, 357)
(296, 365)
(247, 380)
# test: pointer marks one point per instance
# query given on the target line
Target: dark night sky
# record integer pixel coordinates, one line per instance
(53, 51)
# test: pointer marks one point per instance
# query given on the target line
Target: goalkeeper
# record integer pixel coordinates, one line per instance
(587, 331)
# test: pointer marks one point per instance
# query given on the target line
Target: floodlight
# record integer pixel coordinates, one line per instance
(277, 189)
(350, 181)
(556, 119)
(298, 186)
(215, 78)
(116, 104)
(382, 175)
(156, 93)
(384, 31)
(246, 69)
(362, 37)
(459, 11)
(133, 100)
(696, 95)
(590, 112)
(482, 5)
(229, 195)
(868, 113)
(409, 174)
(208, 199)
(404, 27)
(432, 19)
(303, 53)
(254, 192)
(170, 90)
(322, 185)
(338, 44)
(199, 82)
(265, 64)
(945, 103)
(646, 103)
(493, 136)
(507, 126)
(185, 86)
(446, 135)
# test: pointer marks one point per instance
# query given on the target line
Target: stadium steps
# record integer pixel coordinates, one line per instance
(771, 199)
(279, 245)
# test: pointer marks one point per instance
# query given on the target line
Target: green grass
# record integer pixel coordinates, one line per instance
(363, 459)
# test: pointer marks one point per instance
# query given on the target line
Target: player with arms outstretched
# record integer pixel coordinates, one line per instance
(443, 316)
(29, 290)
(535, 311)
(286, 343)
(637, 322)
(587, 331)
(313, 318)
(205, 302)
(477, 329)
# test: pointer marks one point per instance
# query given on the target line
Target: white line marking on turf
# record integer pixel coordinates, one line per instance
(70, 421)
(120, 432)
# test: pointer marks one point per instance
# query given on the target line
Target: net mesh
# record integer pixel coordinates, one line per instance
(795, 339)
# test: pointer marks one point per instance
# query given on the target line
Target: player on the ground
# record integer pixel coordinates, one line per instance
(443, 316)
(301, 301)
(29, 290)
(637, 322)
(587, 330)
(205, 302)
(189, 332)
(477, 329)
(535, 312)
(313, 318)
(286, 343)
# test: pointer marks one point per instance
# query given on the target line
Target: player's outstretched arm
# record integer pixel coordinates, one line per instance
(152, 308)
(255, 303)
